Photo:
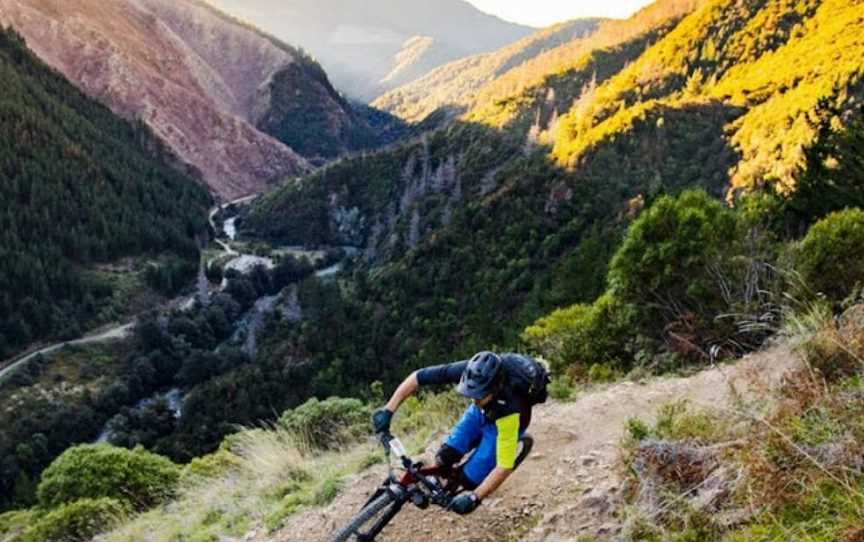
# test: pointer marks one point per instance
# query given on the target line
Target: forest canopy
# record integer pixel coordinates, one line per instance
(77, 187)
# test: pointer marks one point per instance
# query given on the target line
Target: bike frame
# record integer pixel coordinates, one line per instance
(407, 488)
(418, 484)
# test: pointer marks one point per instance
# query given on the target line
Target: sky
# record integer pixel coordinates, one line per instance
(545, 12)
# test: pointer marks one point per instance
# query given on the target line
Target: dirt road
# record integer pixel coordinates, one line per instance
(569, 486)
(115, 333)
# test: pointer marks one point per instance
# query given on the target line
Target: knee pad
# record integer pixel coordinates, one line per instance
(448, 456)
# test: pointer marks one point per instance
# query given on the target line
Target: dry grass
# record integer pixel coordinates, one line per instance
(802, 460)
(261, 476)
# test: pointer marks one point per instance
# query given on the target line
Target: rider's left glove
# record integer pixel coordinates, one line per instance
(381, 421)
(465, 503)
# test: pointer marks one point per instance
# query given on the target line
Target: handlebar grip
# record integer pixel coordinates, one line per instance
(384, 438)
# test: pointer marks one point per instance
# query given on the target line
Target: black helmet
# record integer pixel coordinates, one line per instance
(480, 376)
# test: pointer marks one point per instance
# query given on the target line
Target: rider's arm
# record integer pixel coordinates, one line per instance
(430, 376)
(492, 482)
(506, 446)
(405, 390)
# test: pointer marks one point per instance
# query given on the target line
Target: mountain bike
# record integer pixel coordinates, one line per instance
(418, 484)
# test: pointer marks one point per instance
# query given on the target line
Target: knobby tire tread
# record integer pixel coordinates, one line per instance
(365, 515)
(527, 445)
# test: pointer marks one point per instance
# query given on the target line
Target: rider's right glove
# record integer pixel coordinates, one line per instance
(381, 420)
(465, 503)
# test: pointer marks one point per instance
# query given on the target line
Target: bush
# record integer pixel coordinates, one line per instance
(561, 388)
(212, 465)
(664, 263)
(833, 347)
(77, 521)
(329, 424)
(14, 523)
(831, 255)
(141, 478)
(584, 334)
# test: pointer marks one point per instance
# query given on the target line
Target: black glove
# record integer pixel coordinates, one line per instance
(465, 503)
(381, 420)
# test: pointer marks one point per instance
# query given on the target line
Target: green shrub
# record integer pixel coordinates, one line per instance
(561, 388)
(210, 466)
(831, 255)
(78, 521)
(327, 490)
(13, 523)
(328, 424)
(637, 430)
(548, 334)
(603, 372)
(584, 335)
(141, 478)
(664, 263)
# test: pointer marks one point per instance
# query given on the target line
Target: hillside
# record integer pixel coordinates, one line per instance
(209, 87)
(372, 46)
(571, 489)
(79, 187)
(660, 209)
(791, 68)
(476, 224)
(488, 81)
(455, 83)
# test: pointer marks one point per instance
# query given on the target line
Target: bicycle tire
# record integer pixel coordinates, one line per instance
(527, 444)
(368, 512)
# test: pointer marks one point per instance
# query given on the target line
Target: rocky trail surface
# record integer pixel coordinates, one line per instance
(570, 486)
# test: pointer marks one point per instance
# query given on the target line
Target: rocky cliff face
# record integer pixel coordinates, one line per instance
(199, 80)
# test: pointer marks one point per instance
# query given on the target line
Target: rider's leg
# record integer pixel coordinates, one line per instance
(464, 437)
(484, 459)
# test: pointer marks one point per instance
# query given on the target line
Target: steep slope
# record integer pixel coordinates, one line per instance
(470, 231)
(483, 80)
(570, 487)
(791, 67)
(454, 83)
(201, 82)
(77, 187)
(371, 46)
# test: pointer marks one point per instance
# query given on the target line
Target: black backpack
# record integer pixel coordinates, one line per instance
(528, 376)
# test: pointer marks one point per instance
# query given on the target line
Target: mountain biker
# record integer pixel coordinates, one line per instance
(504, 388)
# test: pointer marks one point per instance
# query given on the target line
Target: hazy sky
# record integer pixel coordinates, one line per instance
(546, 12)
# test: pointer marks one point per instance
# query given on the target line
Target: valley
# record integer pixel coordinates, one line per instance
(219, 254)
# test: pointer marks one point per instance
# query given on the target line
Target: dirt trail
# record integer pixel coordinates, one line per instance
(569, 487)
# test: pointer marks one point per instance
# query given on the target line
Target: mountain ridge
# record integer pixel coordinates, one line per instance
(486, 83)
(205, 84)
(365, 49)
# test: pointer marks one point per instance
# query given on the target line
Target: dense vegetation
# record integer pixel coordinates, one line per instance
(63, 399)
(611, 237)
(318, 128)
(467, 250)
(790, 68)
(137, 477)
(472, 232)
(77, 188)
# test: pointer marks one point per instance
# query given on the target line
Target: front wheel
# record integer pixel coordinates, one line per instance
(526, 443)
(370, 511)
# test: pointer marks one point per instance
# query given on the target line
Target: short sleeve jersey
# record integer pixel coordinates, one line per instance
(510, 411)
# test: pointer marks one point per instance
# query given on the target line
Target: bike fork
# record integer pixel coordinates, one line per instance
(380, 524)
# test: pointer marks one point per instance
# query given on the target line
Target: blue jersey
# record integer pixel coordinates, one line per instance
(511, 400)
